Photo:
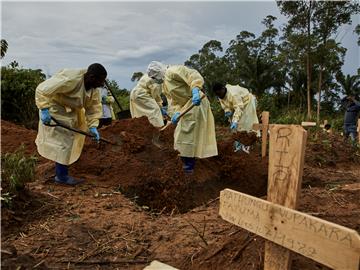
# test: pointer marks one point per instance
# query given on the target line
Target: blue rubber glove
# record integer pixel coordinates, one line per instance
(228, 114)
(175, 118)
(45, 116)
(196, 96)
(234, 126)
(95, 133)
(163, 111)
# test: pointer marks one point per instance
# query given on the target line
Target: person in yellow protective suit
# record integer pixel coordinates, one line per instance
(145, 100)
(107, 110)
(71, 97)
(194, 135)
(239, 106)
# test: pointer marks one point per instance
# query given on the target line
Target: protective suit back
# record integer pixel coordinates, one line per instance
(145, 100)
(195, 132)
(68, 101)
(243, 104)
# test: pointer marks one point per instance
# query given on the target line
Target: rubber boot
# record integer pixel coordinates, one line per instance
(62, 176)
(189, 164)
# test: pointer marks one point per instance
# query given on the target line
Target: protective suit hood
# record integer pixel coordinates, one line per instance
(156, 70)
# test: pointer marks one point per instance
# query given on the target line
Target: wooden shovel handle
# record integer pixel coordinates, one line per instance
(78, 130)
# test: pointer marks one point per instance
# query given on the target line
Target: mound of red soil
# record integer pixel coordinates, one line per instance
(330, 150)
(154, 176)
(12, 136)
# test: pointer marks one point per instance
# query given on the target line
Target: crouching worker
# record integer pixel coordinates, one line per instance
(71, 97)
(194, 135)
(145, 100)
(239, 106)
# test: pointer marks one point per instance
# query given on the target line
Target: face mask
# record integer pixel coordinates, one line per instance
(159, 81)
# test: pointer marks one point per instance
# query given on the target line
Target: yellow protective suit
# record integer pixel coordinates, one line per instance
(145, 100)
(195, 132)
(68, 101)
(242, 103)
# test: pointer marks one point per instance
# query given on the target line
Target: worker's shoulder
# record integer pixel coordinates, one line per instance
(174, 69)
(71, 72)
(145, 80)
(237, 89)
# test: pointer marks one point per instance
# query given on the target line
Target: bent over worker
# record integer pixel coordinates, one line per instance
(145, 100)
(194, 135)
(239, 106)
(71, 97)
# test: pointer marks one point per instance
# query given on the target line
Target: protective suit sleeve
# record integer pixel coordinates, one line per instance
(59, 83)
(238, 105)
(173, 107)
(155, 92)
(93, 109)
(190, 76)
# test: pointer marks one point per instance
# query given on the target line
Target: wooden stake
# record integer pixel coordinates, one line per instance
(264, 132)
(286, 162)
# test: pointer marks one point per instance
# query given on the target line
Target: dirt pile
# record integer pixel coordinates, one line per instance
(324, 149)
(150, 175)
(12, 136)
(154, 176)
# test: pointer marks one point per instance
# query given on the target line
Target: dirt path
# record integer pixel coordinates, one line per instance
(137, 205)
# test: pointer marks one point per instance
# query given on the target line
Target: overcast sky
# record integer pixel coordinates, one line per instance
(126, 36)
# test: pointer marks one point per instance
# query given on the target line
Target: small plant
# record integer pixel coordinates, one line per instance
(16, 170)
(6, 199)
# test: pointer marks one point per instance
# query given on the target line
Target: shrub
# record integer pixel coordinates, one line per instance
(16, 170)
(18, 87)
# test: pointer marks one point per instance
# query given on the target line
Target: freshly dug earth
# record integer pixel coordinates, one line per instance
(94, 226)
(154, 176)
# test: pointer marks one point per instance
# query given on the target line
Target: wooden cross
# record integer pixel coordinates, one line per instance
(333, 245)
(328, 243)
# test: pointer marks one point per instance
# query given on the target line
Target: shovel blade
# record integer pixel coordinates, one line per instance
(156, 140)
(123, 114)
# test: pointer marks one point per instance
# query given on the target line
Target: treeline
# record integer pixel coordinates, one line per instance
(297, 70)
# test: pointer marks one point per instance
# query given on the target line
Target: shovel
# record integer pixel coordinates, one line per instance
(123, 114)
(58, 124)
(156, 137)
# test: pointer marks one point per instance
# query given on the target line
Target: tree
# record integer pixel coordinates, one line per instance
(4, 47)
(208, 62)
(350, 85)
(300, 26)
(310, 27)
(327, 18)
(254, 61)
(136, 76)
